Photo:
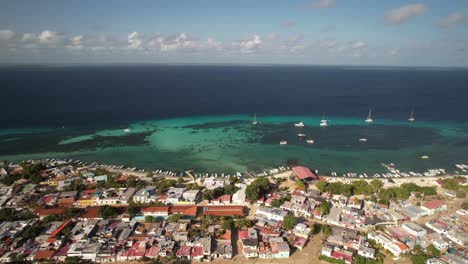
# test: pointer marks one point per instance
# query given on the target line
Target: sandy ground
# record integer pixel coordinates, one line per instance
(421, 181)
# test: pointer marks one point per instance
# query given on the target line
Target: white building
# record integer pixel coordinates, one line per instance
(413, 229)
(434, 206)
(145, 195)
(239, 196)
(271, 213)
(393, 246)
(191, 195)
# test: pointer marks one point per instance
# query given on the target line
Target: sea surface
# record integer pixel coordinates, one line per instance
(200, 117)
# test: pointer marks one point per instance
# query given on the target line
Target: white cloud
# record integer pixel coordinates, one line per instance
(453, 19)
(272, 36)
(6, 34)
(28, 37)
(328, 44)
(134, 41)
(49, 37)
(76, 43)
(181, 41)
(319, 4)
(404, 13)
(358, 44)
(250, 45)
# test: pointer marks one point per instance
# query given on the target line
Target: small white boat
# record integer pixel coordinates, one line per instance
(254, 122)
(310, 141)
(323, 122)
(283, 142)
(127, 130)
(412, 118)
(369, 117)
(363, 140)
(301, 135)
(424, 157)
(300, 124)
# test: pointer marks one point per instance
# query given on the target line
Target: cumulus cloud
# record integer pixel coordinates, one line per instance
(359, 44)
(76, 43)
(404, 13)
(251, 44)
(49, 37)
(134, 41)
(273, 36)
(329, 44)
(6, 34)
(28, 37)
(320, 4)
(453, 19)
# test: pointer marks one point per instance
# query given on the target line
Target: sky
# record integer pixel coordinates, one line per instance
(316, 32)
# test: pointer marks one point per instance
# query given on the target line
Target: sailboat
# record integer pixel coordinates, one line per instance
(323, 122)
(300, 124)
(254, 122)
(412, 118)
(369, 117)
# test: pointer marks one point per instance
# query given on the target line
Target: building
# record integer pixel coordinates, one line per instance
(302, 173)
(191, 195)
(232, 210)
(156, 211)
(434, 206)
(268, 213)
(145, 195)
(414, 212)
(413, 229)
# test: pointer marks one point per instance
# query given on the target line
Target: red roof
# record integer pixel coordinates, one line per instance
(47, 199)
(303, 173)
(91, 213)
(434, 204)
(197, 251)
(226, 236)
(183, 210)
(183, 251)
(46, 212)
(60, 228)
(223, 210)
(44, 254)
(243, 234)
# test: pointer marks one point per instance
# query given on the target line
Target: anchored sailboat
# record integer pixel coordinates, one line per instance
(323, 122)
(412, 118)
(369, 117)
(254, 122)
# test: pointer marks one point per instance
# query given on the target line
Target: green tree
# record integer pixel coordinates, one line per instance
(258, 188)
(376, 185)
(322, 186)
(275, 203)
(133, 208)
(228, 224)
(325, 230)
(465, 206)
(418, 259)
(289, 222)
(433, 251)
(324, 208)
(149, 219)
(107, 212)
(174, 218)
(300, 184)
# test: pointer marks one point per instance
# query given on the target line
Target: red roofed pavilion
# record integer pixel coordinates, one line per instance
(303, 173)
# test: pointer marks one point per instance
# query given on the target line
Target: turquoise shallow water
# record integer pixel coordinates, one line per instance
(232, 143)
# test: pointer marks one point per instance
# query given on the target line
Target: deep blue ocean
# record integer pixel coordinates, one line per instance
(199, 117)
(66, 96)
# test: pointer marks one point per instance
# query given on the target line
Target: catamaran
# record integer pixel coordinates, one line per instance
(412, 118)
(254, 122)
(323, 122)
(300, 124)
(369, 117)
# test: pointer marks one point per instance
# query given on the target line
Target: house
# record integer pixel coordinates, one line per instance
(145, 195)
(414, 212)
(185, 210)
(393, 246)
(191, 195)
(366, 252)
(91, 213)
(156, 211)
(212, 183)
(222, 200)
(413, 229)
(249, 243)
(342, 254)
(434, 206)
(239, 196)
(301, 173)
(280, 249)
(450, 194)
(268, 213)
(44, 255)
(236, 210)
(184, 252)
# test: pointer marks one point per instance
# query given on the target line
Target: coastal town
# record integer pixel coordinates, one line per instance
(68, 211)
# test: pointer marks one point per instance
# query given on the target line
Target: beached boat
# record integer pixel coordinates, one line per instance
(412, 118)
(323, 122)
(301, 135)
(369, 117)
(300, 124)
(283, 142)
(310, 141)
